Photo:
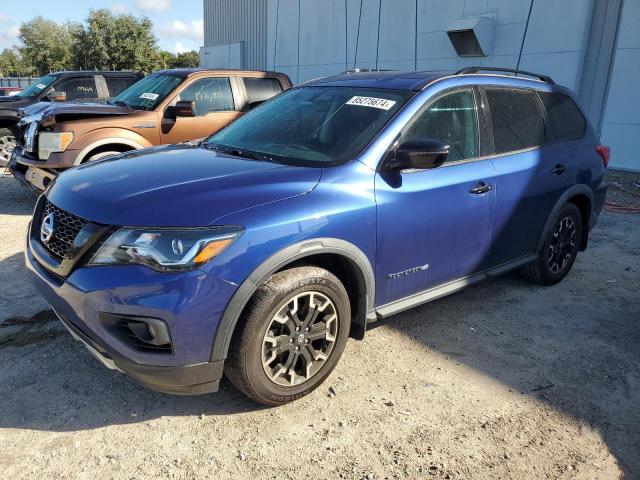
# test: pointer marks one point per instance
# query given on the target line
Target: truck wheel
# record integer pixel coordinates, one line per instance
(100, 155)
(559, 250)
(7, 144)
(292, 335)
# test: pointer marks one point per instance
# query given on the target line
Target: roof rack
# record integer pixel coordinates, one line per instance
(468, 70)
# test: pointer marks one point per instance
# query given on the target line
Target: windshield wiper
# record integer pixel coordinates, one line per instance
(238, 152)
(119, 103)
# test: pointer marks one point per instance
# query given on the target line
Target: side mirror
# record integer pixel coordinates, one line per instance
(419, 155)
(183, 108)
(57, 96)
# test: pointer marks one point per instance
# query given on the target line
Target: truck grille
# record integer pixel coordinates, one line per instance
(66, 228)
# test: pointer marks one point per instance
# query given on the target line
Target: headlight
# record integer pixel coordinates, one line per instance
(165, 249)
(49, 142)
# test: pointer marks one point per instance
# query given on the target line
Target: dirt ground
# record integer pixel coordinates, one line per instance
(503, 380)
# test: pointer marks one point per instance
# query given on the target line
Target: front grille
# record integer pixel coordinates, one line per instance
(66, 229)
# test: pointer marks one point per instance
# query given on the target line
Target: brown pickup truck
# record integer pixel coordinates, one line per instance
(169, 106)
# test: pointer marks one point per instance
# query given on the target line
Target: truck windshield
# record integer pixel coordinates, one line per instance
(312, 126)
(37, 87)
(148, 92)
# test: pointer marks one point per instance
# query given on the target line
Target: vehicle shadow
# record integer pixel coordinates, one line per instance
(51, 382)
(575, 346)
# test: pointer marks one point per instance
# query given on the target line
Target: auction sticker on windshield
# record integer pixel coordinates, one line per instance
(40, 86)
(149, 96)
(381, 103)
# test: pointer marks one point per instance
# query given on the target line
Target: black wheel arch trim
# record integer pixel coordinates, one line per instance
(281, 259)
(573, 191)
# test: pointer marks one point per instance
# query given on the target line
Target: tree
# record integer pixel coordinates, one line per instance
(46, 45)
(116, 42)
(186, 59)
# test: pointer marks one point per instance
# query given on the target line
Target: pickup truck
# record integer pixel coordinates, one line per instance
(57, 87)
(166, 107)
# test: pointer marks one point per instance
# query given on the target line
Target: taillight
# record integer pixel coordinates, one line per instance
(605, 153)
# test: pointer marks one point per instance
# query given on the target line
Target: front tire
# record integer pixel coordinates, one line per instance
(7, 144)
(560, 248)
(292, 335)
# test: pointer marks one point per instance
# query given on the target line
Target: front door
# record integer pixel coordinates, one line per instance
(434, 226)
(214, 109)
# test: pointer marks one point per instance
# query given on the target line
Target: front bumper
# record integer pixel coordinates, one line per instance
(37, 174)
(190, 303)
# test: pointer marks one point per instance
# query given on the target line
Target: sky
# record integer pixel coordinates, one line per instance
(177, 24)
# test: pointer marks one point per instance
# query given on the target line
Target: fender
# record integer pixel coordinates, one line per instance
(580, 189)
(116, 136)
(274, 263)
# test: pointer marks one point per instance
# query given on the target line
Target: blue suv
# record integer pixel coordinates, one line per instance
(342, 201)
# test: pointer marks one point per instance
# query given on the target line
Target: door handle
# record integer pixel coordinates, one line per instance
(480, 188)
(559, 169)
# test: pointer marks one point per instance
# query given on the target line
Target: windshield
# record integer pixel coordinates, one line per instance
(312, 125)
(38, 86)
(148, 92)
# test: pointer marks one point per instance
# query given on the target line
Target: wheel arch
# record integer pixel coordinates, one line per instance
(582, 197)
(115, 142)
(343, 259)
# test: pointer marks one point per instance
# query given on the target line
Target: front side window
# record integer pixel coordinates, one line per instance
(452, 119)
(37, 87)
(78, 88)
(209, 95)
(313, 125)
(516, 119)
(149, 92)
(564, 115)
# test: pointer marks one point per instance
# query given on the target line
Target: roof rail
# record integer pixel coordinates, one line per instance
(361, 70)
(468, 70)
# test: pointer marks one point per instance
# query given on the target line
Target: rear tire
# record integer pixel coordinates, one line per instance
(559, 250)
(292, 334)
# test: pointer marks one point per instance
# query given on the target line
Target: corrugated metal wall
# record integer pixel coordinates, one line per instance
(232, 21)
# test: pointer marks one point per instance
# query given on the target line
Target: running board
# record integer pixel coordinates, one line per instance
(445, 289)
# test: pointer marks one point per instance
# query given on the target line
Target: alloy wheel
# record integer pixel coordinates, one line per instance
(562, 245)
(7, 144)
(300, 338)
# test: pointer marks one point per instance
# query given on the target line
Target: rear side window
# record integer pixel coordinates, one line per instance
(564, 115)
(210, 95)
(516, 118)
(78, 87)
(117, 85)
(261, 89)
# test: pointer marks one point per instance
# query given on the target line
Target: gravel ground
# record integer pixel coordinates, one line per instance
(503, 380)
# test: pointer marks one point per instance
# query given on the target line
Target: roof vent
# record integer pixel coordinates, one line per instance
(472, 37)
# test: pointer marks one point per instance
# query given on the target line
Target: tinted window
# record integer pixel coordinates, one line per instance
(313, 125)
(451, 119)
(516, 119)
(117, 85)
(261, 89)
(77, 88)
(210, 95)
(564, 115)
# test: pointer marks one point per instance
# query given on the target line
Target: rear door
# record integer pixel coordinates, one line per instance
(215, 107)
(434, 226)
(531, 171)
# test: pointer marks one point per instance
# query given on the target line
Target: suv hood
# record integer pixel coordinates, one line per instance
(175, 186)
(55, 112)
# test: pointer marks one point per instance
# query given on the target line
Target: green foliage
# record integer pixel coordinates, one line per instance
(46, 45)
(105, 41)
